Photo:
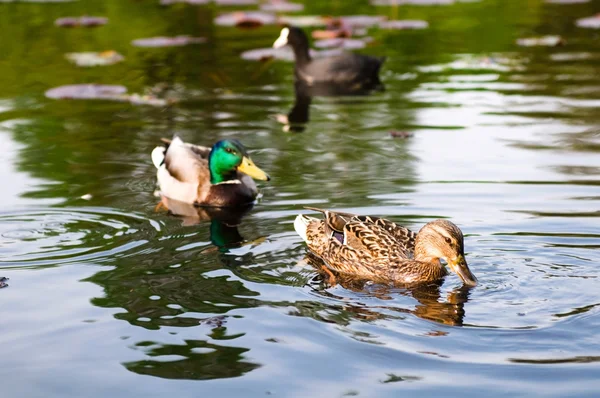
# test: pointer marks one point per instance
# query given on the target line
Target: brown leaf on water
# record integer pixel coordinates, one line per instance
(85, 21)
(401, 134)
(241, 19)
(405, 24)
(162, 41)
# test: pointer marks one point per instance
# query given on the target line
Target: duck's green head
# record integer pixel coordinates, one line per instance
(229, 156)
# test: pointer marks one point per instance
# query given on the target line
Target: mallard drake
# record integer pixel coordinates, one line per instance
(352, 71)
(218, 176)
(380, 250)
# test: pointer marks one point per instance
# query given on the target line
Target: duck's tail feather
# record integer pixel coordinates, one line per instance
(301, 226)
(158, 156)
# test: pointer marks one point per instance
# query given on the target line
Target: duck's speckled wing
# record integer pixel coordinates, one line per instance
(336, 222)
(370, 247)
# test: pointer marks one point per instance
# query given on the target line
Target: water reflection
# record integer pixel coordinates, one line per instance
(431, 305)
(194, 360)
(299, 115)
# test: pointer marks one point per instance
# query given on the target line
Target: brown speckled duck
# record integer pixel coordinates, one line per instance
(380, 250)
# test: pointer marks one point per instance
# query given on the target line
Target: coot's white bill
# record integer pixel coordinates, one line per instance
(283, 38)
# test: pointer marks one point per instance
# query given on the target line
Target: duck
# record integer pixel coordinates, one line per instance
(354, 72)
(377, 249)
(217, 176)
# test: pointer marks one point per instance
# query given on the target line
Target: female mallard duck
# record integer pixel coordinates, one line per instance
(218, 176)
(377, 249)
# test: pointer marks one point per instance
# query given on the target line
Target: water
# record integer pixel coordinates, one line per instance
(109, 297)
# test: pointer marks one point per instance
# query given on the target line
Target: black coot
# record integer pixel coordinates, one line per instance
(354, 72)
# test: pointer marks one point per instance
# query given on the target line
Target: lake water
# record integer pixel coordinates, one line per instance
(110, 297)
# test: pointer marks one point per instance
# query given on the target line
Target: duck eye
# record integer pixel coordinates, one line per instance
(229, 150)
(448, 240)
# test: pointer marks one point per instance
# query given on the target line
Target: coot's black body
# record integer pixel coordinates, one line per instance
(349, 72)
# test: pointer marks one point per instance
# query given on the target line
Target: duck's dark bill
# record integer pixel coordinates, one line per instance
(248, 167)
(462, 270)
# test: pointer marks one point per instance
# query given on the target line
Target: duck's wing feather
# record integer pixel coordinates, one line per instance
(187, 163)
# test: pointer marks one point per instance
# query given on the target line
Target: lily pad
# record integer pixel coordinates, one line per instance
(304, 21)
(411, 2)
(405, 24)
(362, 21)
(567, 1)
(95, 58)
(105, 92)
(320, 34)
(36, 1)
(281, 6)
(87, 91)
(284, 54)
(193, 2)
(242, 19)
(349, 44)
(589, 22)
(235, 2)
(400, 134)
(162, 41)
(547, 41)
(70, 22)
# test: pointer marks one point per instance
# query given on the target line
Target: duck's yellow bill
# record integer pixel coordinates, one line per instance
(248, 167)
(462, 270)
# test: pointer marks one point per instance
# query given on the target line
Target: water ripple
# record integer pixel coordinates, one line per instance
(45, 237)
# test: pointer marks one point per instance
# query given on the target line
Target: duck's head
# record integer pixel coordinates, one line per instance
(293, 36)
(441, 239)
(227, 157)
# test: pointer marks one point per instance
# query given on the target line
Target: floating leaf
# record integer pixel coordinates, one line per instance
(104, 92)
(361, 21)
(281, 6)
(70, 22)
(193, 2)
(350, 44)
(245, 19)
(95, 59)
(401, 134)
(285, 54)
(411, 2)
(589, 22)
(87, 91)
(548, 41)
(36, 1)
(236, 2)
(405, 24)
(161, 41)
(567, 1)
(304, 21)
(331, 34)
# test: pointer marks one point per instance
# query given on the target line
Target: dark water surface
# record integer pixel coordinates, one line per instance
(109, 298)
